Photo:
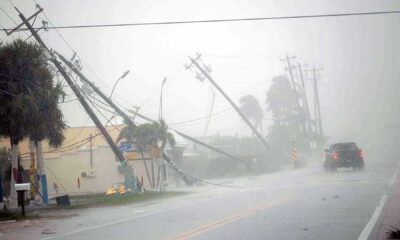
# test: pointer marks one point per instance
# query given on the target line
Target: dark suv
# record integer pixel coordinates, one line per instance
(343, 155)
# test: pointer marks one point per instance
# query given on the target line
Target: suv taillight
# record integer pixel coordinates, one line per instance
(335, 156)
(362, 154)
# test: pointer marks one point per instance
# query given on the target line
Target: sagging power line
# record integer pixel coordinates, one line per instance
(226, 20)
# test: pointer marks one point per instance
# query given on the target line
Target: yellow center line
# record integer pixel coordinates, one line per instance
(229, 219)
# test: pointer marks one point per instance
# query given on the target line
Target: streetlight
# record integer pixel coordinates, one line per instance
(163, 165)
(115, 84)
(161, 96)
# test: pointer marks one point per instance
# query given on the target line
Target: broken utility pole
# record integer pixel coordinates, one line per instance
(205, 74)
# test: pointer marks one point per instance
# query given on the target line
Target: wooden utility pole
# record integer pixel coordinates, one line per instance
(96, 89)
(299, 109)
(129, 121)
(317, 105)
(305, 100)
(75, 90)
(91, 151)
(254, 130)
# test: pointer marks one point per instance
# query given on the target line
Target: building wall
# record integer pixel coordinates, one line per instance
(64, 165)
(65, 170)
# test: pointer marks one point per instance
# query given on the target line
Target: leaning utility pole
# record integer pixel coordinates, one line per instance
(317, 109)
(194, 140)
(96, 89)
(305, 97)
(205, 74)
(317, 105)
(287, 60)
(128, 120)
(73, 87)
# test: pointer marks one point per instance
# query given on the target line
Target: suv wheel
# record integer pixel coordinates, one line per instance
(332, 167)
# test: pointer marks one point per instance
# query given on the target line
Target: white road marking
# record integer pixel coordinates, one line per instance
(368, 228)
(108, 224)
(394, 178)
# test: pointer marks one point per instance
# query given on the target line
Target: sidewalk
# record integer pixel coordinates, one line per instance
(388, 225)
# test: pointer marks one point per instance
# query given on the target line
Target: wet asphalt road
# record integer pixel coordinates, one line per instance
(293, 204)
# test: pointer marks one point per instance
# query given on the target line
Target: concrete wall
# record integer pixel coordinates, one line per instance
(65, 170)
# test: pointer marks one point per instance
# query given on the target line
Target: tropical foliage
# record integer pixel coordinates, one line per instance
(281, 101)
(147, 134)
(29, 98)
(251, 108)
(285, 132)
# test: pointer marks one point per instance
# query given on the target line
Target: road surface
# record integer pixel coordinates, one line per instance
(292, 204)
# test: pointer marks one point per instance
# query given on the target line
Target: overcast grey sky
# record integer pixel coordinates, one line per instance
(359, 54)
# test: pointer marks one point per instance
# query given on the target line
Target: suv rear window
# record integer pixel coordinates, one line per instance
(345, 146)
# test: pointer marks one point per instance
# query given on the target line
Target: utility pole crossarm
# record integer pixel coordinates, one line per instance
(254, 130)
(20, 25)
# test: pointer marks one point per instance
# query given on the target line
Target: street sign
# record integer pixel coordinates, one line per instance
(125, 147)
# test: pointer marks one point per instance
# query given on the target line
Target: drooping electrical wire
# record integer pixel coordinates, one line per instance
(226, 20)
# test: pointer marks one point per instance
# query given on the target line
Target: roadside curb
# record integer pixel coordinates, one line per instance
(389, 219)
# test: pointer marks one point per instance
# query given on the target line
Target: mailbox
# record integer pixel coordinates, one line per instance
(22, 186)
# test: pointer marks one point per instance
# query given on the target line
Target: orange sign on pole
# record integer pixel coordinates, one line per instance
(295, 157)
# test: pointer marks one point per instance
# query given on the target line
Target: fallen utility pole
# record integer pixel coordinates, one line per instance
(253, 129)
(76, 91)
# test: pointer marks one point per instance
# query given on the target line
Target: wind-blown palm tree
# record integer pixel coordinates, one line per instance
(147, 134)
(251, 108)
(29, 100)
(47, 123)
(145, 137)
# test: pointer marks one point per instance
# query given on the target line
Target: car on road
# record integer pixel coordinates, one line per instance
(344, 155)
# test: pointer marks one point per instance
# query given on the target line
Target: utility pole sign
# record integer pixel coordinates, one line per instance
(295, 157)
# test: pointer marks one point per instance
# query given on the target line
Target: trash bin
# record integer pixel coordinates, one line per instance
(63, 200)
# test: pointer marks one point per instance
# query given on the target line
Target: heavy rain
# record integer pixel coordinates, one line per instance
(199, 119)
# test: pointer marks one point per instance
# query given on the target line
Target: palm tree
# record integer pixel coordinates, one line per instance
(251, 108)
(29, 100)
(281, 101)
(147, 136)
(47, 123)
